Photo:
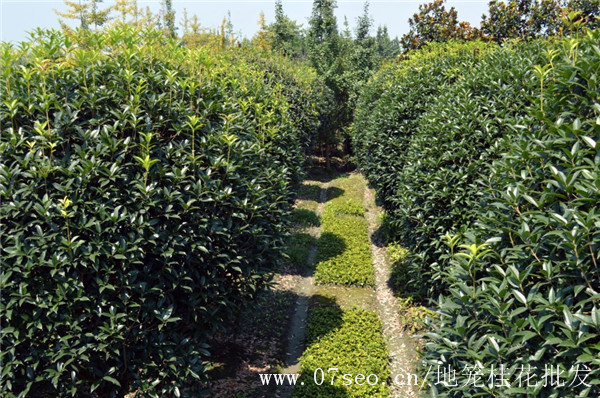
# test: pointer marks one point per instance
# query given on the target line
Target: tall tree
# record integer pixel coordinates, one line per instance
(386, 47)
(433, 23)
(527, 19)
(77, 10)
(346, 33)
(322, 37)
(263, 38)
(323, 46)
(126, 9)
(195, 24)
(286, 34)
(229, 34)
(148, 20)
(88, 13)
(98, 16)
(168, 17)
(364, 55)
(185, 24)
(362, 61)
(589, 11)
(364, 24)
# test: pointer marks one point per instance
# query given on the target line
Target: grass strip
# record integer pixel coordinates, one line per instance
(349, 340)
(344, 254)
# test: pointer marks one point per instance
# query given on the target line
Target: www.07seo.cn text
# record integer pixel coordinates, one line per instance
(330, 375)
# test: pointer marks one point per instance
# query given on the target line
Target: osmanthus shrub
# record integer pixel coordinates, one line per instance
(455, 138)
(391, 104)
(303, 88)
(145, 191)
(529, 298)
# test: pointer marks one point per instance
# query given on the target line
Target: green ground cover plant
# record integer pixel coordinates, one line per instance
(348, 339)
(344, 251)
(524, 284)
(146, 192)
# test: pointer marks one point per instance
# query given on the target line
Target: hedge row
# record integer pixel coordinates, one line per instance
(304, 90)
(451, 137)
(525, 286)
(389, 108)
(145, 190)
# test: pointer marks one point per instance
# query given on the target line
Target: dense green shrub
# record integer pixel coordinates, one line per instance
(306, 94)
(303, 88)
(350, 340)
(390, 106)
(445, 120)
(304, 91)
(145, 194)
(455, 138)
(530, 296)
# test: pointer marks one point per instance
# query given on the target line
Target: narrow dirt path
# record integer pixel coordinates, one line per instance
(304, 289)
(400, 345)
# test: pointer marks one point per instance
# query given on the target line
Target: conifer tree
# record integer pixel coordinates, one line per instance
(168, 17)
(185, 24)
(262, 40)
(323, 46)
(99, 17)
(286, 34)
(76, 10)
(87, 12)
(195, 24)
(125, 9)
(386, 47)
(148, 20)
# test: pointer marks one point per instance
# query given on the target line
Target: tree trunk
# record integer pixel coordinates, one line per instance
(328, 156)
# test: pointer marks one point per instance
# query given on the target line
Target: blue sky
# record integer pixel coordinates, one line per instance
(20, 16)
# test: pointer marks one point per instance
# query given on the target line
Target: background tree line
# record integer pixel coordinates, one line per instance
(345, 56)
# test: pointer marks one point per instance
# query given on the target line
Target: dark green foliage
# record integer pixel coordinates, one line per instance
(433, 24)
(390, 106)
(456, 137)
(303, 88)
(386, 47)
(529, 18)
(530, 296)
(425, 156)
(360, 59)
(288, 38)
(145, 194)
(349, 340)
(323, 46)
